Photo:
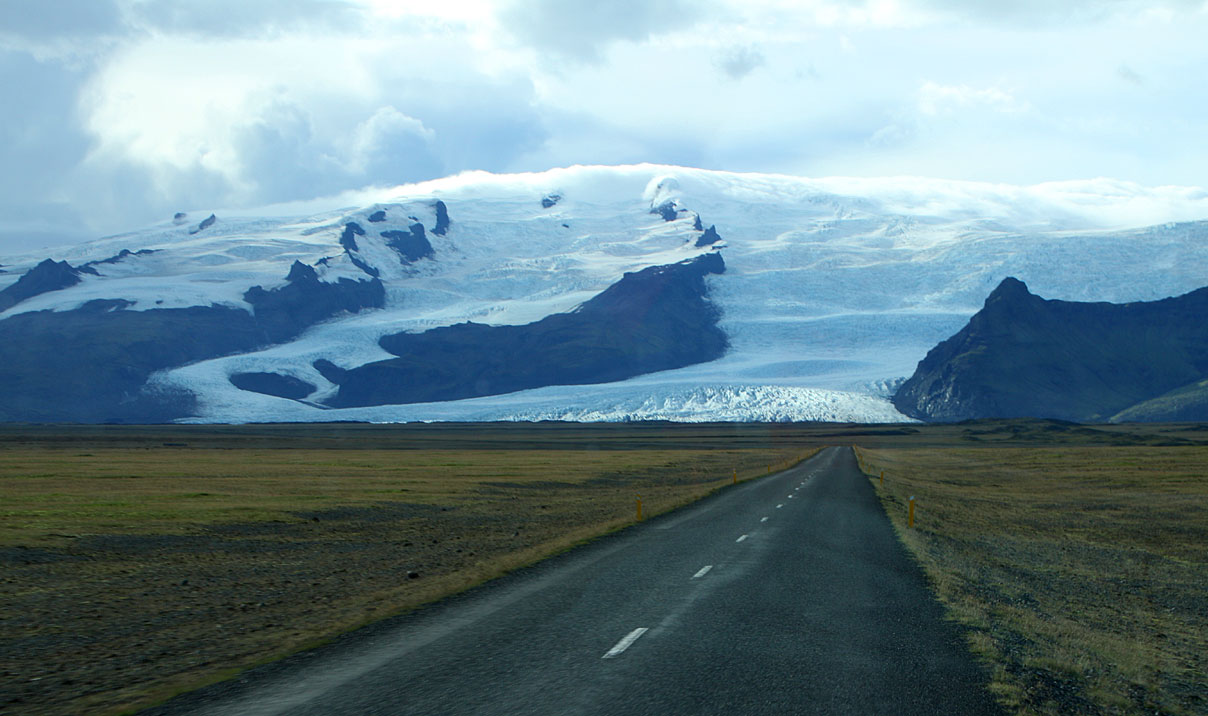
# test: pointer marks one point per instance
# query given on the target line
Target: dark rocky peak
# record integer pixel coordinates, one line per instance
(1011, 301)
(205, 224)
(1009, 289)
(348, 239)
(411, 245)
(378, 216)
(118, 257)
(708, 238)
(301, 272)
(696, 223)
(442, 218)
(1025, 356)
(50, 275)
(549, 200)
(667, 210)
(179, 218)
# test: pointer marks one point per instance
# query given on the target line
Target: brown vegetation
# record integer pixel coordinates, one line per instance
(138, 562)
(1081, 569)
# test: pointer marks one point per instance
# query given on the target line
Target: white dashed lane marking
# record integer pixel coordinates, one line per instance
(763, 519)
(703, 571)
(741, 538)
(625, 643)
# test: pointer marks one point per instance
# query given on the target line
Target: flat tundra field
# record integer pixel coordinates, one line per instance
(142, 561)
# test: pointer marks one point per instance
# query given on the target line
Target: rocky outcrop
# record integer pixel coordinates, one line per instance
(708, 238)
(667, 210)
(655, 319)
(205, 224)
(1024, 356)
(348, 237)
(442, 218)
(119, 256)
(550, 200)
(411, 245)
(378, 216)
(50, 275)
(274, 384)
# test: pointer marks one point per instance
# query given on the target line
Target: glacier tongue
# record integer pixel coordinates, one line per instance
(834, 288)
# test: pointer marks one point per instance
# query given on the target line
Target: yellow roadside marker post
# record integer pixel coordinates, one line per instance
(639, 498)
(910, 517)
(882, 478)
(735, 476)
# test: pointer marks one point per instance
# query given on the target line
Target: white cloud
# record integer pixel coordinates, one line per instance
(936, 99)
(132, 108)
(738, 62)
(388, 138)
(581, 30)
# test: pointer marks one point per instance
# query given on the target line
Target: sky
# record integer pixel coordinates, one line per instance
(119, 113)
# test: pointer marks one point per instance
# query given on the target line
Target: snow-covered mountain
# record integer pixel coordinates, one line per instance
(832, 289)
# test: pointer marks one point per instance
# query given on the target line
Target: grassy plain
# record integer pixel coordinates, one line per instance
(140, 561)
(1077, 557)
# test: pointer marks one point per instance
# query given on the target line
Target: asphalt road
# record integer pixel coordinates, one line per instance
(785, 595)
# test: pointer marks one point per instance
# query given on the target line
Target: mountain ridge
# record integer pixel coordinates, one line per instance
(1025, 356)
(833, 288)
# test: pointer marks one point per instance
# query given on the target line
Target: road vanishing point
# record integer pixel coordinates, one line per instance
(788, 594)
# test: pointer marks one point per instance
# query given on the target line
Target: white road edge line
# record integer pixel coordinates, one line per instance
(703, 571)
(625, 643)
(741, 538)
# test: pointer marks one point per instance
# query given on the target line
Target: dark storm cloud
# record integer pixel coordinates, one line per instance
(583, 29)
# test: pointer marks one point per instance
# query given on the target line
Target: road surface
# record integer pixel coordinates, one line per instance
(785, 595)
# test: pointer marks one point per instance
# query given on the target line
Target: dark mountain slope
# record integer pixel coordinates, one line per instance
(47, 276)
(1186, 404)
(91, 364)
(651, 320)
(1022, 355)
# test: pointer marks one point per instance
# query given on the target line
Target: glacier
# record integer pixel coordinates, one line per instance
(835, 287)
